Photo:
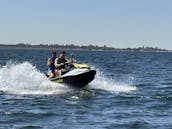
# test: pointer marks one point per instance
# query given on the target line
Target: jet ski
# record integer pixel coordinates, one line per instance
(76, 75)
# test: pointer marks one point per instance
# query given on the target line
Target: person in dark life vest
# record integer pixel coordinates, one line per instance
(51, 65)
(60, 62)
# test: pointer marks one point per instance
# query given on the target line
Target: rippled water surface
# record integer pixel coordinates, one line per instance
(131, 90)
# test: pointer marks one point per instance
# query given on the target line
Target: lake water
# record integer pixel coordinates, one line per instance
(131, 90)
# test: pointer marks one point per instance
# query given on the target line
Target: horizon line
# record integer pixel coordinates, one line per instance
(75, 45)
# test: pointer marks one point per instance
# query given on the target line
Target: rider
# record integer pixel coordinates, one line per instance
(60, 62)
(51, 66)
(72, 59)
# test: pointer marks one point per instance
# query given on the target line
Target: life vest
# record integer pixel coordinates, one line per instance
(52, 66)
(59, 61)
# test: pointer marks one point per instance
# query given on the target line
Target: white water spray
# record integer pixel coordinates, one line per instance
(109, 84)
(24, 78)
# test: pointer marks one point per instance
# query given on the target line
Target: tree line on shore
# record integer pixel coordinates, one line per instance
(80, 47)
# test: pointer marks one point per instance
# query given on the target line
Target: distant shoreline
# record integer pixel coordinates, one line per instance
(76, 47)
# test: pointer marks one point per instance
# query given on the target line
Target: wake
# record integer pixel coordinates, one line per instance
(24, 78)
(109, 84)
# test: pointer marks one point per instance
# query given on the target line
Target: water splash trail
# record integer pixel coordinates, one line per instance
(24, 78)
(108, 84)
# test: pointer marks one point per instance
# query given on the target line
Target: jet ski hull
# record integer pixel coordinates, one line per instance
(79, 80)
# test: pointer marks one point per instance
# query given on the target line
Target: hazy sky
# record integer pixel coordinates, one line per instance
(117, 23)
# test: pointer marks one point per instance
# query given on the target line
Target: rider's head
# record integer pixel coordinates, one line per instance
(63, 54)
(53, 54)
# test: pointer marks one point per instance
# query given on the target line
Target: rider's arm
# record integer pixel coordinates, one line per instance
(57, 64)
(49, 62)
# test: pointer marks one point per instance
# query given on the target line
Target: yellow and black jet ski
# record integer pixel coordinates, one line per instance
(76, 75)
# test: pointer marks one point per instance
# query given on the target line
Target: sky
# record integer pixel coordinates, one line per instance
(116, 23)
